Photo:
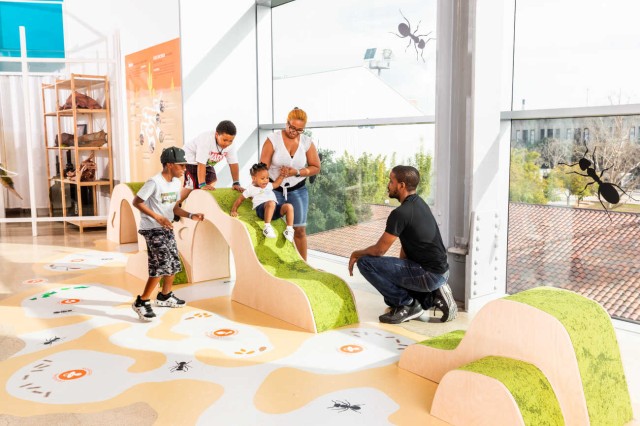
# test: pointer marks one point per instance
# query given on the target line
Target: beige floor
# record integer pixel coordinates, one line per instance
(21, 256)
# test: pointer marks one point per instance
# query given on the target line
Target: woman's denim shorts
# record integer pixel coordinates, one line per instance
(300, 201)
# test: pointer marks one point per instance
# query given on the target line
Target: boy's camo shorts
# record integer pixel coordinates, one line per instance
(162, 252)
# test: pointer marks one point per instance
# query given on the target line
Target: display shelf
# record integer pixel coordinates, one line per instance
(53, 96)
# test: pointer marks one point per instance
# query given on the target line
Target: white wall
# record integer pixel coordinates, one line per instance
(113, 29)
(219, 80)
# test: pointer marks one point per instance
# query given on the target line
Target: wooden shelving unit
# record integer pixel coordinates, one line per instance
(97, 87)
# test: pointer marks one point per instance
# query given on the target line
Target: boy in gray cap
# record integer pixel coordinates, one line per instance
(157, 201)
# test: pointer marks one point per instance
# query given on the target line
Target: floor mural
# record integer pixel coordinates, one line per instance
(73, 345)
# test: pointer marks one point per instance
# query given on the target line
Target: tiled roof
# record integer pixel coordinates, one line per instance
(576, 249)
(579, 250)
(343, 241)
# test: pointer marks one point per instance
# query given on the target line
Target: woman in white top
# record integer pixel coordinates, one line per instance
(295, 151)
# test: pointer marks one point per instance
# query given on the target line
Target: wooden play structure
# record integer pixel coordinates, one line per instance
(523, 356)
(270, 275)
(122, 228)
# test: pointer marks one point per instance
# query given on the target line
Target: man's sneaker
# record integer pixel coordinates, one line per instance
(143, 309)
(443, 300)
(399, 314)
(268, 232)
(288, 234)
(169, 300)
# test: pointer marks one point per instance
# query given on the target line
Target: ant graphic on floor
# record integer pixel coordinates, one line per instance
(418, 43)
(606, 190)
(345, 405)
(52, 340)
(180, 366)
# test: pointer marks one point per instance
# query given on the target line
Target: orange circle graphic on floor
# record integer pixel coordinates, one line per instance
(34, 281)
(72, 374)
(224, 332)
(69, 301)
(351, 349)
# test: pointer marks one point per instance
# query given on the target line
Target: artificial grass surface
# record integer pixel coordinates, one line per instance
(329, 296)
(596, 349)
(528, 385)
(447, 341)
(135, 186)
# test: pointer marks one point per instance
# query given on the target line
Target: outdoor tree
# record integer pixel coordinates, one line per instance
(326, 194)
(568, 184)
(525, 180)
(423, 162)
(554, 151)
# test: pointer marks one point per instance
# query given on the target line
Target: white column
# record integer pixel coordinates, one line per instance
(488, 145)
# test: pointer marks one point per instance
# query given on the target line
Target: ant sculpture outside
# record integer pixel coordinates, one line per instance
(606, 190)
(345, 405)
(418, 43)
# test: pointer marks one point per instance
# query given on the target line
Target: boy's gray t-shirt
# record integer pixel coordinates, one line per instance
(161, 196)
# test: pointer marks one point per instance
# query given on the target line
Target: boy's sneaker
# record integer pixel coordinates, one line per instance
(169, 300)
(269, 232)
(399, 314)
(443, 300)
(143, 309)
(288, 234)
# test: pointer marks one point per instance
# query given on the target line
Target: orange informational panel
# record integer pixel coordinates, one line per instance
(154, 105)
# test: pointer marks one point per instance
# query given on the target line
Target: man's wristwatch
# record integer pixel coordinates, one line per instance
(235, 183)
(298, 174)
(190, 214)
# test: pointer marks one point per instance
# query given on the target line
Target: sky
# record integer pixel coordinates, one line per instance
(311, 36)
(575, 53)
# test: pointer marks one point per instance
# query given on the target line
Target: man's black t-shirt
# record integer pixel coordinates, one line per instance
(419, 235)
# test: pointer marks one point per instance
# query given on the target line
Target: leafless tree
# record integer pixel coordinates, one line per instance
(614, 151)
(554, 150)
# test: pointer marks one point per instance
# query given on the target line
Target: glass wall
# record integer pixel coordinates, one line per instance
(354, 62)
(574, 211)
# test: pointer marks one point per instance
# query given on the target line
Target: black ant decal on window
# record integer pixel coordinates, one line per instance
(606, 190)
(180, 366)
(345, 405)
(418, 43)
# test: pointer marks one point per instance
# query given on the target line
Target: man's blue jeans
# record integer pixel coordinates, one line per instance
(398, 280)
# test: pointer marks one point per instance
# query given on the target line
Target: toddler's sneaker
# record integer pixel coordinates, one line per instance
(169, 300)
(269, 232)
(288, 233)
(143, 309)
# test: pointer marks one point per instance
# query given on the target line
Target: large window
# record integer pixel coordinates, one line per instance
(574, 194)
(364, 71)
